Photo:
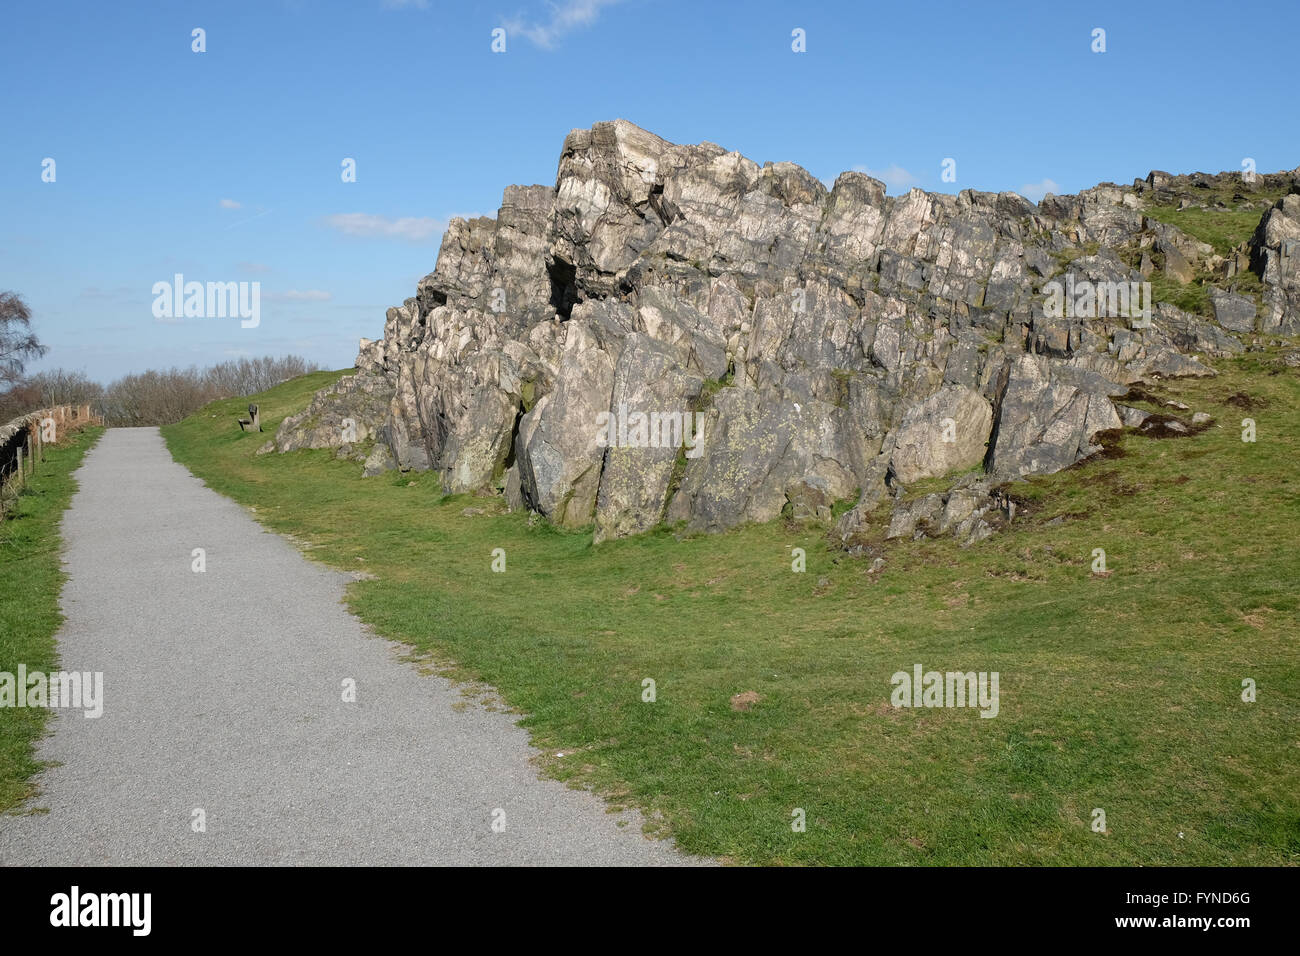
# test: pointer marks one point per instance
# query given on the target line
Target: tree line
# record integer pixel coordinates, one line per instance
(142, 398)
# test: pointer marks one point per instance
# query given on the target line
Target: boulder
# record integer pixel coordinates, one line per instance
(947, 432)
(1236, 313)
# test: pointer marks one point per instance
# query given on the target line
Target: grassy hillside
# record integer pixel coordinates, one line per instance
(31, 577)
(1121, 692)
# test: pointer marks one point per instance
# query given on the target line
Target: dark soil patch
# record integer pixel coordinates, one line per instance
(1242, 400)
(1138, 392)
(1169, 426)
(1024, 507)
(1109, 440)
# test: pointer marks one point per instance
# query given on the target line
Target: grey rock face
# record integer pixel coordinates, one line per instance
(1275, 256)
(676, 333)
(945, 433)
(1234, 312)
(1048, 414)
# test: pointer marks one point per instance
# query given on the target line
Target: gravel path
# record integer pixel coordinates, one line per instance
(223, 691)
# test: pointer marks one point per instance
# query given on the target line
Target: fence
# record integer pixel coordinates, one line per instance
(23, 440)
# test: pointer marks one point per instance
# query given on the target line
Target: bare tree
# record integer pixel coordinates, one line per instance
(166, 396)
(249, 376)
(63, 387)
(18, 343)
(155, 397)
(18, 400)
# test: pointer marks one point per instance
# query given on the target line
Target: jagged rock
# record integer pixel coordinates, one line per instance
(1176, 264)
(809, 498)
(379, 461)
(816, 340)
(907, 515)
(945, 433)
(351, 410)
(1234, 312)
(1190, 333)
(558, 455)
(1130, 416)
(1047, 415)
(1275, 257)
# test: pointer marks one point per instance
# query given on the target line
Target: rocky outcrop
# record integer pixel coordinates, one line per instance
(1275, 256)
(676, 333)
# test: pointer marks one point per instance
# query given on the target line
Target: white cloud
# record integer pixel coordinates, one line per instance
(1034, 192)
(230, 204)
(254, 267)
(240, 222)
(369, 226)
(300, 295)
(893, 176)
(566, 16)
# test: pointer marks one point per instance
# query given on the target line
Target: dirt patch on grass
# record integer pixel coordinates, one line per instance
(1169, 426)
(1242, 400)
(1140, 392)
(1109, 440)
(1011, 505)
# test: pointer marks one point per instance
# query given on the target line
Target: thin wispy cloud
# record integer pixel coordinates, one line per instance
(256, 268)
(403, 4)
(1034, 192)
(893, 176)
(369, 226)
(366, 225)
(565, 17)
(230, 204)
(266, 212)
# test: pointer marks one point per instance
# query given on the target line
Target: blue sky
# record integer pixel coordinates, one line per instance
(225, 165)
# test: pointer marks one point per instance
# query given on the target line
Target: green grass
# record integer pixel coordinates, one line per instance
(31, 577)
(1120, 692)
(1224, 229)
(1193, 297)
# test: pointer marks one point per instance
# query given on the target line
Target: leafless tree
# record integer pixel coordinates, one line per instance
(155, 397)
(63, 387)
(163, 397)
(18, 400)
(18, 343)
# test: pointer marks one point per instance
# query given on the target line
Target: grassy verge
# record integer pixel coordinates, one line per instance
(1120, 692)
(30, 580)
